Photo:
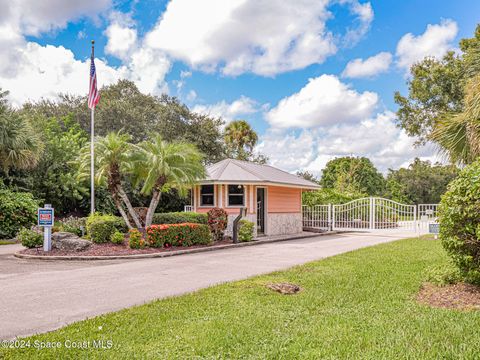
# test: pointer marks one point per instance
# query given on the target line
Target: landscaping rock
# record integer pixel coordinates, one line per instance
(68, 241)
(284, 288)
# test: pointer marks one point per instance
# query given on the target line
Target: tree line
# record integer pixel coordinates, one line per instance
(40, 143)
(347, 178)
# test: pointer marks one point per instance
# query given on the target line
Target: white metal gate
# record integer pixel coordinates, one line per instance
(371, 213)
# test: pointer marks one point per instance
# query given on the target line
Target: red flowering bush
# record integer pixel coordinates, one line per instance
(186, 234)
(217, 223)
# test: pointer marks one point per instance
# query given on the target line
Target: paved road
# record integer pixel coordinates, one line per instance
(37, 296)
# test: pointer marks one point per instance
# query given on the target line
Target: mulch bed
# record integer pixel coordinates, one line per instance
(459, 296)
(110, 249)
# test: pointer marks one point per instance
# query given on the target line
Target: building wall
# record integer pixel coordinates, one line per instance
(283, 209)
(284, 223)
(284, 200)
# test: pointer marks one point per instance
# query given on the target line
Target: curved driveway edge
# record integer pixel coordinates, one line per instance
(170, 253)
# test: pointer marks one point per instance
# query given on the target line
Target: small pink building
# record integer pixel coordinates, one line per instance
(273, 197)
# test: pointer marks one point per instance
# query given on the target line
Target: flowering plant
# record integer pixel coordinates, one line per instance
(135, 240)
(185, 234)
(217, 223)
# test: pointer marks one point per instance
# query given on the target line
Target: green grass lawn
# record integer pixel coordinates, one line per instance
(6, 242)
(355, 305)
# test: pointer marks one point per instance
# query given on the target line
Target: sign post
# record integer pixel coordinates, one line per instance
(46, 219)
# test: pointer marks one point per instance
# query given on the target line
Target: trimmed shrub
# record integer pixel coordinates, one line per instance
(71, 224)
(101, 227)
(30, 238)
(135, 239)
(186, 234)
(459, 217)
(117, 237)
(17, 210)
(179, 218)
(245, 230)
(217, 223)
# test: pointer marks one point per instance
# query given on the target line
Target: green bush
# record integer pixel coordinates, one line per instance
(444, 275)
(329, 196)
(179, 218)
(117, 237)
(135, 239)
(71, 224)
(17, 210)
(100, 227)
(459, 217)
(30, 238)
(245, 231)
(186, 234)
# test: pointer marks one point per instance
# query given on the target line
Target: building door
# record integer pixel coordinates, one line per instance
(260, 210)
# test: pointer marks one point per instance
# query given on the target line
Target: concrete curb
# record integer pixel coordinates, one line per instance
(172, 253)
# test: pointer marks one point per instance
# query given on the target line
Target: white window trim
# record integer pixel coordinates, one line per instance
(200, 196)
(228, 196)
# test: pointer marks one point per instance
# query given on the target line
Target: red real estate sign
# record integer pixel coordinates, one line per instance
(45, 217)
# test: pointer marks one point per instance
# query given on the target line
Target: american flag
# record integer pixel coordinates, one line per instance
(93, 94)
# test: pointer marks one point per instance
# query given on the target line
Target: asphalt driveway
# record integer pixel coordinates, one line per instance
(38, 296)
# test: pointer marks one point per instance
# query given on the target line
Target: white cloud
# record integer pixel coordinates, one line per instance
(263, 37)
(192, 95)
(435, 41)
(323, 101)
(45, 71)
(370, 67)
(121, 40)
(31, 71)
(364, 13)
(121, 35)
(35, 17)
(377, 138)
(229, 111)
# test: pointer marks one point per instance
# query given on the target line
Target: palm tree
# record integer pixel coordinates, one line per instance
(458, 134)
(240, 139)
(162, 165)
(20, 146)
(113, 155)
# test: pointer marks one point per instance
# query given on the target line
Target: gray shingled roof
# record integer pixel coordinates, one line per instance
(237, 171)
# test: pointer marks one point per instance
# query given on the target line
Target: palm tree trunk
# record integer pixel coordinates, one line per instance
(152, 207)
(129, 206)
(122, 212)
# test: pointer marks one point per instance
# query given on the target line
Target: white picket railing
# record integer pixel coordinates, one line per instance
(188, 208)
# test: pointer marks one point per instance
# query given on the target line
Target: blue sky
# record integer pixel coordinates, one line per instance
(315, 78)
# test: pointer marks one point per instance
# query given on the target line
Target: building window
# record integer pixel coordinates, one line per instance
(207, 196)
(236, 195)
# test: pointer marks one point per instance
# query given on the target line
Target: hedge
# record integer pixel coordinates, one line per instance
(186, 234)
(17, 210)
(100, 227)
(459, 217)
(179, 218)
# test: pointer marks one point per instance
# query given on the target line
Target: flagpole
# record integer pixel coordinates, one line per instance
(92, 151)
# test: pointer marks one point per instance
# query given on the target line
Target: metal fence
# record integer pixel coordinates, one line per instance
(427, 214)
(317, 217)
(372, 213)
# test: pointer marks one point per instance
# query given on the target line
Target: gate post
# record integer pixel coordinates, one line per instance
(330, 225)
(333, 216)
(372, 213)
